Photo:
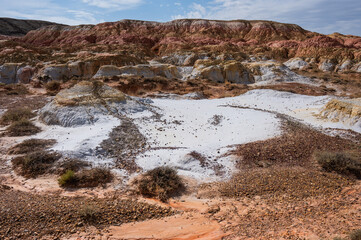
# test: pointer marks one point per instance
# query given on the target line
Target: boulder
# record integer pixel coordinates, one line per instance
(55, 72)
(296, 64)
(218, 71)
(82, 104)
(8, 73)
(141, 70)
(345, 66)
(346, 111)
(24, 74)
(327, 65)
(107, 71)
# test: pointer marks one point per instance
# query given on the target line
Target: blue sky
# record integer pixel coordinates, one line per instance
(324, 16)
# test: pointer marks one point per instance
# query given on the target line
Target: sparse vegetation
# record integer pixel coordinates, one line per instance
(22, 127)
(161, 182)
(14, 89)
(35, 164)
(74, 165)
(339, 162)
(67, 179)
(32, 145)
(355, 235)
(89, 213)
(53, 87)
(86, 178)
(16, 114)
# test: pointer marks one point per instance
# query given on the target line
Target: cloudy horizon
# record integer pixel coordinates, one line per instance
(323, 16)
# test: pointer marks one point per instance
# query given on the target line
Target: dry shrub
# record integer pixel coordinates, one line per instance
(35, 164)
(32, 145)
(15, 89)
(22, 128)
(161, 182)
(53, 87)
(355, 235)
(16, 114)
(74, 165)
(339, 162)
(86, 178)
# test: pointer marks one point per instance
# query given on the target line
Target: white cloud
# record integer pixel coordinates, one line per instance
(46, 10)
(114, 4)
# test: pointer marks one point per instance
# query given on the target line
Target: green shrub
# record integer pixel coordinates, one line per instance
(355, 235)
(339, 162)
(88, 178)
(35, 164)
(16, 114)
(22, 127)
(67, 179)
(161, 182)
(31, 145)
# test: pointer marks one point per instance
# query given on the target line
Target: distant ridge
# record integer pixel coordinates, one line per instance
(18, 27)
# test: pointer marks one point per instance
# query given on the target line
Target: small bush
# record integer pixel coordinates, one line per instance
(31, 145)
(356, 235)
(74, 165)
(22, 128)
(88, 178)
(35, 164)
(16, 114)
(67, 179)
(89, 213)
(161, 182)
(15, 89)
(339, 162)
(53, 87)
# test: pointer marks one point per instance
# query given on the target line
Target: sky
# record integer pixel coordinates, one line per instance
(324, 16)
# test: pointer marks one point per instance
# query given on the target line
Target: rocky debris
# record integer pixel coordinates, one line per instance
(347, 111)
(125, 142)
(83, 104)
(17, 27)
(292, 182)
(143, 70)
(271, 71)
(182, 59)
(30, 216)
(296, 63)
(357, 67)
(294, 148)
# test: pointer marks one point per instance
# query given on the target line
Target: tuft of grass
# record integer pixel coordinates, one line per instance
(161, 182)
(89, 213)
(87, 178)
(32, 145)
(35, 164)
(22, 127)
(339, 162)
(355, 235)
(16, 114)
